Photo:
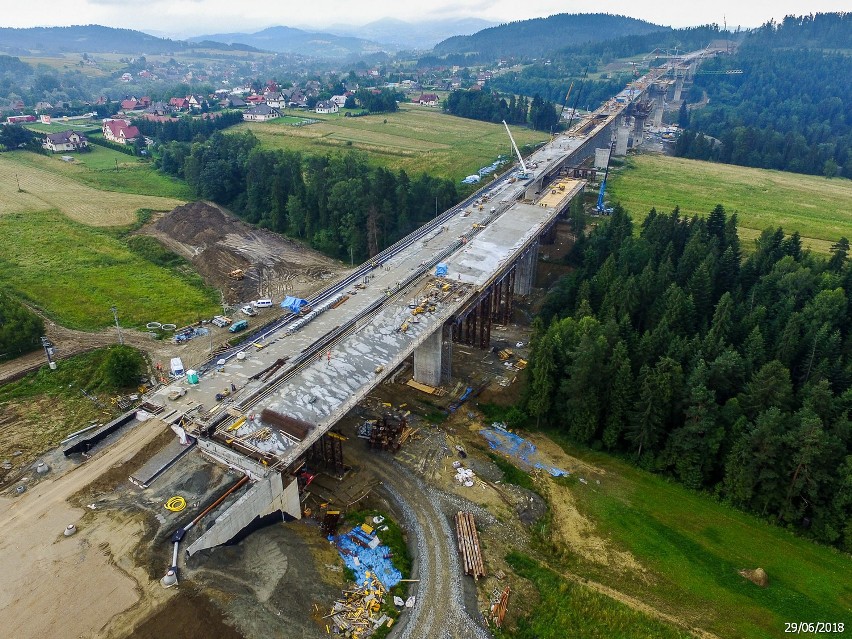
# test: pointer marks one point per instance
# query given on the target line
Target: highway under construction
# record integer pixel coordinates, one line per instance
(268, 406)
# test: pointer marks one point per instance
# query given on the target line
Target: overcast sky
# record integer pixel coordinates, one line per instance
(195, 17)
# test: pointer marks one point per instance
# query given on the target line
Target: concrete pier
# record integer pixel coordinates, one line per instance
(428, 358)
(622, 136)
(525, 271)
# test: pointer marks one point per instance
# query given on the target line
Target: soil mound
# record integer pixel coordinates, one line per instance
(757, 576)
(217, 242)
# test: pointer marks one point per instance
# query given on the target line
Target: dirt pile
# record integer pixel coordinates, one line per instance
(757, 576)
(216, 243)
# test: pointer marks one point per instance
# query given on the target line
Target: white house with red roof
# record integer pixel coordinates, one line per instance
(120, 131)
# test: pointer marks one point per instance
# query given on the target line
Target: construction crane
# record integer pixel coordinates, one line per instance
(601, 207)
(523, 174)
(565, 101)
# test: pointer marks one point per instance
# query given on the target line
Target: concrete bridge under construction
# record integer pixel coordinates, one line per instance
(265, 405)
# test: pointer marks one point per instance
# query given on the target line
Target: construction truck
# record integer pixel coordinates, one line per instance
(237, 274)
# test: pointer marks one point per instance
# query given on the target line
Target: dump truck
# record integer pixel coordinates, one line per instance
(237, 274)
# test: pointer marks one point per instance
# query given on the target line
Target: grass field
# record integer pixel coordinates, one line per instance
(692, 548)
(416, 139)
(75, 273)
(818, 208)
(102, 187)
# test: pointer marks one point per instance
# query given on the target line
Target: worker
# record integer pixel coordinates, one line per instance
(328, 356)
(233, 388)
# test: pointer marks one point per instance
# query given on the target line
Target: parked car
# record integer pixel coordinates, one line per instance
(236, 327)
(263, 303)
(248, 310)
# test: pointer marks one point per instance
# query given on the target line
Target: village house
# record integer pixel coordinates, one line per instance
(276, 100)
(65, 141)
(180, 104)
(120, 131)
(339, 100)
(428, 99)
(326, 106)
(261, 113)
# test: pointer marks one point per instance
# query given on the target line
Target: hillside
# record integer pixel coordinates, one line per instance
(540, 36)
(289, 40)
(788, 109)
(407, 35)
(92, 38)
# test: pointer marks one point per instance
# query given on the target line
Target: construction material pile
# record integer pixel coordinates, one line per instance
(499, 605)
(464, 475)
(365, 555)
(359, 612)
(469, 548)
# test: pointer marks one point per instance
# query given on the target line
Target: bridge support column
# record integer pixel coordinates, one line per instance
(622, 135)
(678, 88)
(658, 111)
(638, 130)
(525, 271)
(427, 359)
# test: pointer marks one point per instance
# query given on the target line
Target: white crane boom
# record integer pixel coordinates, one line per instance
(524, 173)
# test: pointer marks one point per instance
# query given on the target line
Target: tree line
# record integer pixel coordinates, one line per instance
(789, 108)
(492, 107)
(731, 376)
(186, 128)
(338, 203)
(20, 328)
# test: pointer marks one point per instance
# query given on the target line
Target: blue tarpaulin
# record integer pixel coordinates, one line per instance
(294, 304)
(375, 560)
(441, 270)
(522, 449)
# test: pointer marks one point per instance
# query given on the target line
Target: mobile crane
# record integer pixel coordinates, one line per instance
(601, 207)
(523, 174)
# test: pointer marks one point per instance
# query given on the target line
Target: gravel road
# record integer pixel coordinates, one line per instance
(439, 610)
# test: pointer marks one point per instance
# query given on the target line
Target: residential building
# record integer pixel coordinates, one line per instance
(326, 106)
(65, 141)
(428, 99)
(339, 100)
(261, 113)
(120, 131)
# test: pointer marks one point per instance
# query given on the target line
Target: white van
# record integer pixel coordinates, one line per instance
(177, 369)
(264, 303)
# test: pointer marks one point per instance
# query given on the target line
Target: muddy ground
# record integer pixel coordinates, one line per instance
(217, 242)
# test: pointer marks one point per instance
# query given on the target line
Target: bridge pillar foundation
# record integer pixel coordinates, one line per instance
(638, 131)
(428, 358)
(678, 88)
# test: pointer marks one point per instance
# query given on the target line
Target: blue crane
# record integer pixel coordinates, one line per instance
(601, 207)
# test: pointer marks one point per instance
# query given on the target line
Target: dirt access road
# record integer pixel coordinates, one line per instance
(439, 611)
(71, 587)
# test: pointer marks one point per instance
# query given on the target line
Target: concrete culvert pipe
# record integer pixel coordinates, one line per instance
(42, 468)
(20, 489)
(70, 529)
(153, 325)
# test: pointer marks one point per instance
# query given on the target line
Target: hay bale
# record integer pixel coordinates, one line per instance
(756, 576)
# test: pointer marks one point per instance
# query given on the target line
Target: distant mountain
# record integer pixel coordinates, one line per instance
(540, 36)
(290, 40)
(408, 35)
(93, 38)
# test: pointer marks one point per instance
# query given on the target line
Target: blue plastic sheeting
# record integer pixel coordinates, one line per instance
(441, 270)
(513, 445)
(375, 560)
(293, 304)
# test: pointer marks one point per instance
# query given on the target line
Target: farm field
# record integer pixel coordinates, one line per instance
(53, 183)
(690, 548)
(415, 139)
(818, 208)
(75, 273)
